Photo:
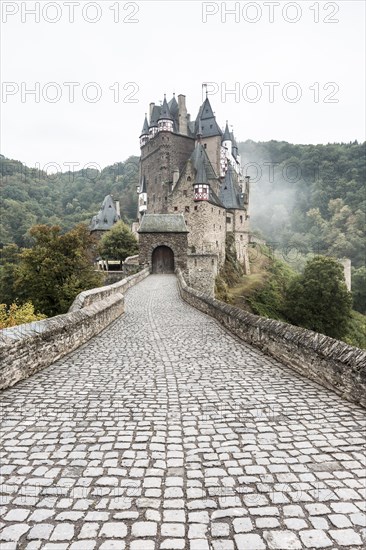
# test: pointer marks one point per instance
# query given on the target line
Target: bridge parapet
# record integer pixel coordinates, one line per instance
(28, 348)
(329, 362)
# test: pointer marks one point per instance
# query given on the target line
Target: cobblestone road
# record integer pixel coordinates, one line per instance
(165, 432)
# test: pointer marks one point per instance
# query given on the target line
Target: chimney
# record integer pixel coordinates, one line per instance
(346, 262)
(182, 109)
(118, 209)
(152, 105)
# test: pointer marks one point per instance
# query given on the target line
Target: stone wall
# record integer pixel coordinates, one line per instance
(202, 271)
(331, 363)
(176, 241)
(26, 349)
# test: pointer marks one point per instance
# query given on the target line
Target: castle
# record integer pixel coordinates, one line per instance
(192, 194)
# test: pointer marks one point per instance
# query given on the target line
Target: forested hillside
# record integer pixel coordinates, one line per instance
(306, 196)
(309, 197)
(30, 196)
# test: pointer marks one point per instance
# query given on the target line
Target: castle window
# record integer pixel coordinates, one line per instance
(187, 209)
(213, 261)
(241, 219)
(189, 178)
(175, 208)
(217, 244)
(166, 198)
(241, 237)
(196, 207)
(185, 193)
(228, 220)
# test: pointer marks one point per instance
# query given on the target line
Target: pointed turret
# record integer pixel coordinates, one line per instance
(165, 121)
(154, 117)
(226, 136)
(144, 137)
(227, 140)
(142, 202)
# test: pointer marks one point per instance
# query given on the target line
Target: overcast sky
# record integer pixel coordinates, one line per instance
(134, 52)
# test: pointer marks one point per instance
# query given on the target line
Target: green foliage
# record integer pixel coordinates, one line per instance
(17, 315)
(270, 299)
(118, 244)
(56, 268)
(9, 260)
(311, 197)
(356, 333)
(30, 196)
(359, 289)
(319, 300)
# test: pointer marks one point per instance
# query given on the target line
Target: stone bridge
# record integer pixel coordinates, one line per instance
(167, 432)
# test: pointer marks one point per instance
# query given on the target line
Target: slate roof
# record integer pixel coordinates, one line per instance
(163, 223)
(145, 128)
(208, 120)
(143, 185)
(173, 107)
(155, 115)
(164, 111)
(202, 164)
(227, 135)
(230, 194)
(106, 217)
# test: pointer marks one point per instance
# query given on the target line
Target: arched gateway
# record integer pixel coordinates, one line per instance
(163, 242)
(163, 260)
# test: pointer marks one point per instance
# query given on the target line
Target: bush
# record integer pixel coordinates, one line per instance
(17, 315)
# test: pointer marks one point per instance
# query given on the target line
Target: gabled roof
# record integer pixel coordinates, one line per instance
(145, 128)
(208, 120)
(230, 194)
(163, 223)
(106, 217)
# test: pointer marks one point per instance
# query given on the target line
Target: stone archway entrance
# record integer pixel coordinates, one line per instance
(163, 260)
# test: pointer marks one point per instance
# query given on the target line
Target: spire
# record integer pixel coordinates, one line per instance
(145, 128)
(165, 112)
(226, 136)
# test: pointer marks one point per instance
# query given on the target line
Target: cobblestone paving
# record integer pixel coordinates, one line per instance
(165, 432)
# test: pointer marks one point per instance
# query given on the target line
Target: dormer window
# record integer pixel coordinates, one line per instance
(201, 192)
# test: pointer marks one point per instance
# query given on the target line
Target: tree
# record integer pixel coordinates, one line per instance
(9, 260)
(56, 268)
(319, 300)
(118, 244)
(359, 289)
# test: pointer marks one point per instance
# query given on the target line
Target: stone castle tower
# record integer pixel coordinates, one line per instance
(192, 193)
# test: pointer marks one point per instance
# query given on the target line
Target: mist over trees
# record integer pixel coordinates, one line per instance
(309, 197)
